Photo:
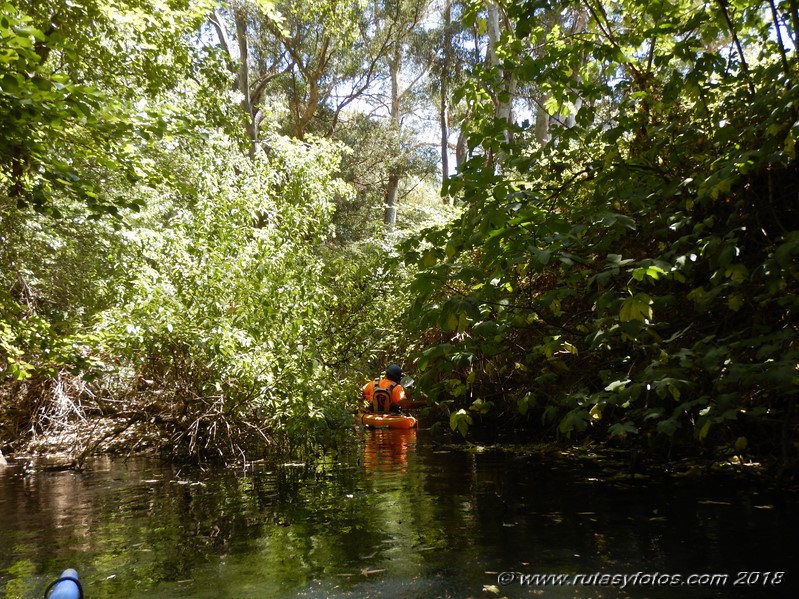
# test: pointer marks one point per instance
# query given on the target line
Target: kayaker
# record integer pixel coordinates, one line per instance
(390, 394)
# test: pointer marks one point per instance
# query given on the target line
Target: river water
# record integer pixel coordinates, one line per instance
(396, 515)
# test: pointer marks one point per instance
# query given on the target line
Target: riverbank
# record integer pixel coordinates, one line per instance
(73, 444)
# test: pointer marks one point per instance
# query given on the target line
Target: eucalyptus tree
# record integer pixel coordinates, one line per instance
(453, 58)
(314, 66)
(489, 25)
(444, 87)
(498, 24)
(301, 63)
(553, 27)
(498, 50)
(407, 61)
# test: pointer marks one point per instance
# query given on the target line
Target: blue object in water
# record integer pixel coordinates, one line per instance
(67, 587)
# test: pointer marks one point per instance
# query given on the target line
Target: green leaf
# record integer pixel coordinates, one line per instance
(460, 421)
(738, 273)
(637, 307)
(527, 401)
(576, 420)
(648, 272)
(704, 430)
(622, 429)
(735, 302)
(481, 406)
(429, 258)
(668, 427)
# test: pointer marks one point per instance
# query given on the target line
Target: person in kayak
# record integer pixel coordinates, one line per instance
(386, 394)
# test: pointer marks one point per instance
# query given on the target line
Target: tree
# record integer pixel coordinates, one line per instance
(444, 92)
(317, 58)
(405, 58)
(451, 60)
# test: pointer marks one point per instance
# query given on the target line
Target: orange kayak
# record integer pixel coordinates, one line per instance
(385, 420)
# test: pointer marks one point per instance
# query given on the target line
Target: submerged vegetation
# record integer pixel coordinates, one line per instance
(217, 220)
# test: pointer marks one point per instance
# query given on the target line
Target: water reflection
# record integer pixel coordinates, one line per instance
(386, 450)
(396, 516)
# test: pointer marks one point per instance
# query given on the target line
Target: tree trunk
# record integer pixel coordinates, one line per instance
(444, 140)
(242, 84)
(392, 188)
(542, 123)
(244, 79)
(507, 90)
(444, 116)
(460, 150)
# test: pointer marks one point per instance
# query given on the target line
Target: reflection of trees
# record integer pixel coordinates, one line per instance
(397, 508)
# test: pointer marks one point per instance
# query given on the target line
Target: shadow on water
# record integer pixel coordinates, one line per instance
(397, 516)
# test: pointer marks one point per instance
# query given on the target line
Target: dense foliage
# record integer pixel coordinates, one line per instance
(162, 285)
(192, 197)
(634, 276)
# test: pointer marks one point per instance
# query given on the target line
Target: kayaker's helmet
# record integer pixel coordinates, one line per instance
(394, 373)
